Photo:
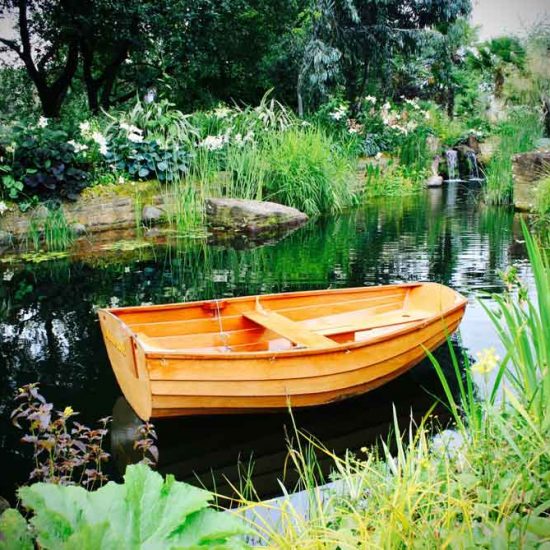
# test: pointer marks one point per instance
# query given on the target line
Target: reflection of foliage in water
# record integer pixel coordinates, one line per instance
(50, 332)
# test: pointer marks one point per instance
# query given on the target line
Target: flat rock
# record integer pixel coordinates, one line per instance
(251, 217)
(528, 168)
(435, 181)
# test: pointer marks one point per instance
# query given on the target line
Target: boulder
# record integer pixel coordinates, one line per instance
(528, 168)
(251, 217)
(435, 181)
(151, 214)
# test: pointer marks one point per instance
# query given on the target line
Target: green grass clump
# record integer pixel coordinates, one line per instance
(518, 134)
(392, 181)
(53, 230)
(306, 170)
(542, 198)
(482, 484)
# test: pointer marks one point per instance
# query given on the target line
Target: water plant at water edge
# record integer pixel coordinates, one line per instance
(518, 134)
(307, 171)
(143, 512)
(456, 489)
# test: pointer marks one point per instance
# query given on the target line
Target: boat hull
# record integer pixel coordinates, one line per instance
(166, 383)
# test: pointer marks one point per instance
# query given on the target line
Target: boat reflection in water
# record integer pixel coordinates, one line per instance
(216, 451)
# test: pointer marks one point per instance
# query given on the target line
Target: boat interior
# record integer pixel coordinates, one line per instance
(319, 320)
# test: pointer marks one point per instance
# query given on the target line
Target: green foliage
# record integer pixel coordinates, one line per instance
(147, 160)
(159, 121)
(518, 134)
(40, 161)
(14, 531)
(17, 100)
(542, 199)
(144, 512)
(455, 489)
(306, 171)
(390, 181)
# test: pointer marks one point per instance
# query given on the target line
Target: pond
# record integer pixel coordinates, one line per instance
(49, 330)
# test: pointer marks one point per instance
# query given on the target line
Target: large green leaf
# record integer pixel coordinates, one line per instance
(146, 512)
(14, 532)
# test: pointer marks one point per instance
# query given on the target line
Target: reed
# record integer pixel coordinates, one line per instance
(456, 489)
(306, 170)
(518, 134)
(54, 231)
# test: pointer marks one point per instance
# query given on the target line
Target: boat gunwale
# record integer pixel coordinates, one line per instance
(295, 294)
(157, 353)
(161, 353)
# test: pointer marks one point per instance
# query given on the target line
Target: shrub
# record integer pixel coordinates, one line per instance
(41, 161)
(146, 160)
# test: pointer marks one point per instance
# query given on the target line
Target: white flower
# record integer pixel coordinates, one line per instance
(114, 301)
(8, 275)
(378, 155)
(413, 103)
(222, 112)
(134, 137)
(3, 208)
(386, 106)
(84, 128)
(127, 269)
(42, 122)
(370, 99)
(339, 113)
(10, 148)
(213, 143)
(427, 115)
(78, 147)
(100, 139)
(121, 179)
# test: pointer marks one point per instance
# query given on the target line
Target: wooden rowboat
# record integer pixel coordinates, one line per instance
(268, 352)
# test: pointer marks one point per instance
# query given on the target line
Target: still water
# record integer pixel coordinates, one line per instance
(49, 330)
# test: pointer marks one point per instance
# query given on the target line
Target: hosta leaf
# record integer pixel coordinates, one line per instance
(146, 512)
(14, 532)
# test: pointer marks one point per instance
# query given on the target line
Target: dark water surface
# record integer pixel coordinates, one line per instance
(49, 330)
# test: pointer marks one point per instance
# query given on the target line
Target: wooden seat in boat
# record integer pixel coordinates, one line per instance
(288, 329)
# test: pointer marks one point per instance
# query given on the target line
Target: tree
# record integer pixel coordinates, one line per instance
(352, 42)
(49, 54)
(55, 35)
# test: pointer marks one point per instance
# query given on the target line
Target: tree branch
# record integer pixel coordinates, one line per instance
(11, 44)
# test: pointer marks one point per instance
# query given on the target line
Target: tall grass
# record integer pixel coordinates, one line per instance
(246, 172)
(307, 171)
(53, 230)
(483, 484)
(518, 134)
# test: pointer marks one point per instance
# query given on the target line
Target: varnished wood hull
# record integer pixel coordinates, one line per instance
(162, 373)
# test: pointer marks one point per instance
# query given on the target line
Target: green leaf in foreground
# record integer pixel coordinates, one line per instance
(14, 532)
(146, 512)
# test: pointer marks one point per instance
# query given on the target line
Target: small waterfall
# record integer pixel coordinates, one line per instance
(474, 168)
(452, 164)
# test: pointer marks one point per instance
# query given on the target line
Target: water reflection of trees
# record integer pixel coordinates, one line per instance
(49, 329)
